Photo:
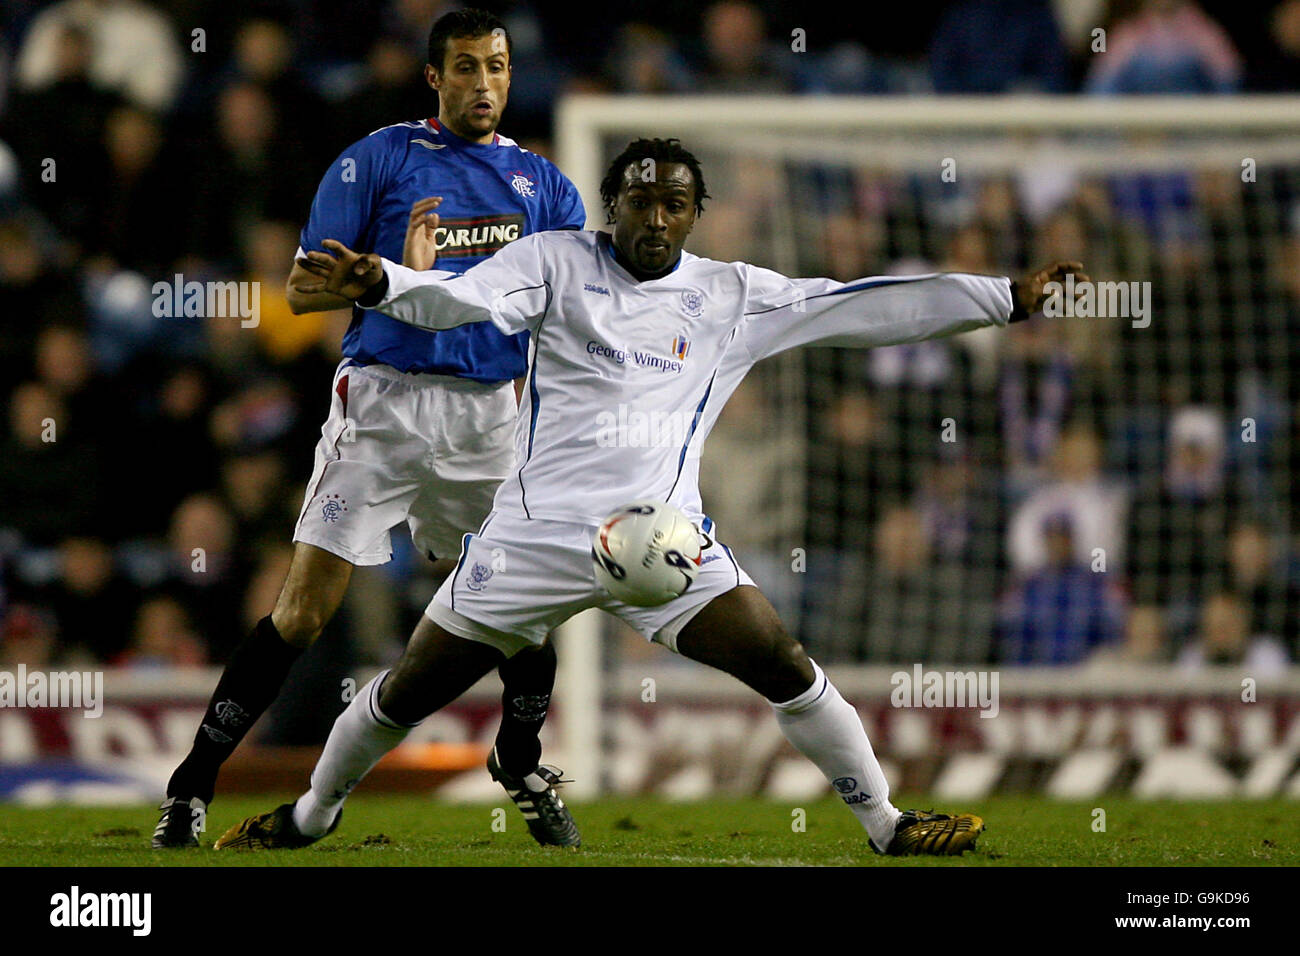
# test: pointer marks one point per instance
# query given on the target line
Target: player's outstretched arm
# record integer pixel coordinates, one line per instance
(508, 290)
(783, 313)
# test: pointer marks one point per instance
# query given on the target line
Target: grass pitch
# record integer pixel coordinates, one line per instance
(413, 831)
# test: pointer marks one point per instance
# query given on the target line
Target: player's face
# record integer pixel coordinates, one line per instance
(654, 214)
(472, 85)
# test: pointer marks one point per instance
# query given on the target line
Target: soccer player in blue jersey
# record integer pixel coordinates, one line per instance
(421, 424)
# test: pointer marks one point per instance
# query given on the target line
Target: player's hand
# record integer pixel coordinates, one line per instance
(420, 249)
(344, 273)
(1029, 289)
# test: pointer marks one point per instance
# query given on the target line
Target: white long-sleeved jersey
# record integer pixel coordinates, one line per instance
(627, 378)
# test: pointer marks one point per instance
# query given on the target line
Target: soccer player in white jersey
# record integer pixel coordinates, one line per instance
(420, 424)
(631, 319)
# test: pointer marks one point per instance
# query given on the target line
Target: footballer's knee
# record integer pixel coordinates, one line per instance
(435, 669)
(399, 693)
(539, 657)
(311, 594)
(776, 664)
(299, 622)
(741, 633)
(785, 670)
(302, 611)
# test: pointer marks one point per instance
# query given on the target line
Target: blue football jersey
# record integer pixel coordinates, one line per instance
(492, 193)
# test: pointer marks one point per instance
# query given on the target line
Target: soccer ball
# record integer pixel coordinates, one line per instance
(646, 553)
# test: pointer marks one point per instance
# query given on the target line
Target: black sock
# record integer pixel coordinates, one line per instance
(248, 685)
(527, 680)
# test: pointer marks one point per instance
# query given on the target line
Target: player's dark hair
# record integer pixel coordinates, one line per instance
(659, 150)
(462, 25)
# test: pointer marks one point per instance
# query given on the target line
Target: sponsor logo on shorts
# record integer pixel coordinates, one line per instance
(592, 287)
(479, 575)
(712, 557)
(333, 507)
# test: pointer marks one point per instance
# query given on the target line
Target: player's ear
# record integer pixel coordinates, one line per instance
(432, 76)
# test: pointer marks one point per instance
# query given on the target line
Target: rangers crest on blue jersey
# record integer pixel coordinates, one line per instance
(522, 184)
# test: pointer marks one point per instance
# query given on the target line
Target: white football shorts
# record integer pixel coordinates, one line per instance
(519, 578)
(429, 450)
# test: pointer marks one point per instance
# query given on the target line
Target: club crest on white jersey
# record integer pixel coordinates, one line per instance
(693, 303)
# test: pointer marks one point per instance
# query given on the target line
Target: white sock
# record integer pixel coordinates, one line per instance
(360, 738)
(825, 728)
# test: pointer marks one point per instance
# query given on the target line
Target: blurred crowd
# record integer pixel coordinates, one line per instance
(152, 467)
